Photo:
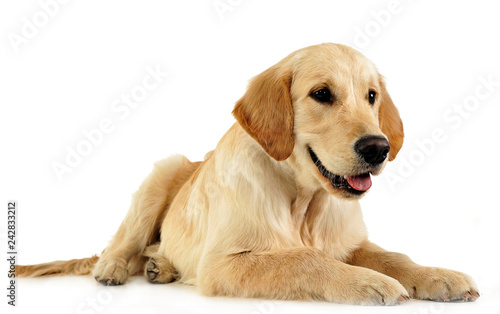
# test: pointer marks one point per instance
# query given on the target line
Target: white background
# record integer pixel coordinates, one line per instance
(440, 205)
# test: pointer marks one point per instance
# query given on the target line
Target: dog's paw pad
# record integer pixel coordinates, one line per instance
(152, 271)
(159, 270)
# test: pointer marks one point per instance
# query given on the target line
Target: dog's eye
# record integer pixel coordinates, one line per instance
(323, 95)
(372, 95)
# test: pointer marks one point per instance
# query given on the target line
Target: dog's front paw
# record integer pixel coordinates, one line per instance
(381, 290)
(367, 287)
(111, 271)
(438, 284)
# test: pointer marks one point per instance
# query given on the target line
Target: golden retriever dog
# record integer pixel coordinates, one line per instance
(273, 211)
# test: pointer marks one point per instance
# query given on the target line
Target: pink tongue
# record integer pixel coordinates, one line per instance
(360, 183)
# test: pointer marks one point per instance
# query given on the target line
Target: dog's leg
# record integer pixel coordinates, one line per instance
(141, 225)
(299, 273)
(430, 283)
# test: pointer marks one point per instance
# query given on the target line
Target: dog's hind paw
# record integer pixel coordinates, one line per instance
(159, 270)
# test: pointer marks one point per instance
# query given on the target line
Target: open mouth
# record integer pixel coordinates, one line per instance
(357, 184)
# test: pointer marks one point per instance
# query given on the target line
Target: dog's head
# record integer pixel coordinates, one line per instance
(325, 110)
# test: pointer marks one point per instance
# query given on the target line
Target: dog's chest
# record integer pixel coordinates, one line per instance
(332, 225)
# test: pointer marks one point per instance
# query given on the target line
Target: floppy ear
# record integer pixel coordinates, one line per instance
(265, 112)
(390, 122)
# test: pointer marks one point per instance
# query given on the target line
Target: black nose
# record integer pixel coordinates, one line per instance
(373, 149)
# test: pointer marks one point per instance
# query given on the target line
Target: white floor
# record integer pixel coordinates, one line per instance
(84, 295)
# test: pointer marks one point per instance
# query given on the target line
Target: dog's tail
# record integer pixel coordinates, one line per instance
(83, 266)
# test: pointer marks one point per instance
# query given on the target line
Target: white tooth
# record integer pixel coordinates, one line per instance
(345, 177)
